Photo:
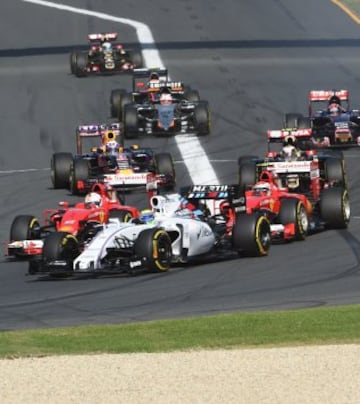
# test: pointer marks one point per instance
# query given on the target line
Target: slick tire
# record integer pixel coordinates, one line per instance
(60, 246)
(153, 246)
(73, 57)
(247, 175)
(335, 171)
(335, 207)
(60, 169)
(81, 64)
(24, 227)
(165, 166)
(131, 122)
(124, 216)
(292, 210)
(291, 120)
(79, 172)
(118, 99)
(191, 95)
(251, 235)
(136, 59)
(202, 118)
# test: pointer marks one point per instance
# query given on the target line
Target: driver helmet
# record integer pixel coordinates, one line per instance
(334, 109)
(112, 148)
(93, 198)
(165, 99)
(106, 46)
(261, 188)
(147, 216)
(292, 181)
(289, 153)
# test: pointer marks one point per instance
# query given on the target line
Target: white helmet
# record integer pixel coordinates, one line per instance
(93, 198)
(261, 188)
(106, 46)
(166, 98)
(289, 153)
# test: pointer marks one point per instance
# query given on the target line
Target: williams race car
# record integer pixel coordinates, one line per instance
(80, 221)
(104, 57)
(177, 229)
(124, 168)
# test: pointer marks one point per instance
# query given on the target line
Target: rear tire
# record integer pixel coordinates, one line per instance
(131, 122)
(24, 227)
(247, 174)
(154, 247)
(136, 59)
(251, 235)
(202, 118)
(292, 210)
(118, 100)
(79, 172)
(335, 207)
(335, 171)
(165, 166)
(81, 64)
(291, 120)
(60, 169)
(73, 58)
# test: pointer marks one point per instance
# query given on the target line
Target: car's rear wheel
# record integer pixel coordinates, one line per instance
(335, 207)
(202, 118)
(81, 64)
(293, 211)
(251, 235)
(165, 166)
(79, 172)
(60, 169)
(247, 174)
(73, 58)
(335, 171)
(24, 227)
(291, 120)
(131, 122)
(153, 246)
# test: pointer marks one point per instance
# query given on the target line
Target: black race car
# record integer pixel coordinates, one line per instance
(104, 57)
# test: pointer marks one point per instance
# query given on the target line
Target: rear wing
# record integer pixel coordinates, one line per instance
(109, 36)
(173, 86)
(231, 193)
(93, 131)
(325, 95)
(141, 78)
(282, 134)
(288, 167)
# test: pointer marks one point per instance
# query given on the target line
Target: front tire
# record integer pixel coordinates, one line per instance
(154, 247)
(60, 246)
(131, 122)
(24, 227)
(251, 235)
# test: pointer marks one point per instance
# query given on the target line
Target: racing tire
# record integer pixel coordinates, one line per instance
(291, 120)
(73, 58)
(292, 210)
(251, 235)
(79, 172)
(60, 169)
(191, 95)
(136, 59)
(247, 175)
(60, 246)
(131, 122)
(303, 123)
(118, 99)
(24, 227)
(81, 64)
(335, 207)
(124, 216)
(153, 246)
(165, 166)
(335, 171)
(202, 118)
(246, 159)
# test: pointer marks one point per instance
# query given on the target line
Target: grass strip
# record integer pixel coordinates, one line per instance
(337, 325)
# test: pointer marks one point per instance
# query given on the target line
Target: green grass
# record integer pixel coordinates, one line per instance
(353, 5)
(312, 326)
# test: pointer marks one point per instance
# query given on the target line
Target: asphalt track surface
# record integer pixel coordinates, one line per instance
(253, 62)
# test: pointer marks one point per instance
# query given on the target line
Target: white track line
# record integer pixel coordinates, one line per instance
(193, 154)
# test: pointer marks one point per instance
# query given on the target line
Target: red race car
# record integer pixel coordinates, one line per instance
(289, 213)
(81, 221)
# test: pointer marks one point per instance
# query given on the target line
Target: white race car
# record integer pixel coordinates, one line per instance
(207, 221)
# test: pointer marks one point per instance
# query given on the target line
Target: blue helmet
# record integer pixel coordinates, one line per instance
(147, 216)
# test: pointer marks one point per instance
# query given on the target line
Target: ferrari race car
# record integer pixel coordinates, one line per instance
(124, 168)
(79, 222)
(173, 231)
(320, 177)
(104, 57)
(159, 106)
(289, 213)
(333, 122)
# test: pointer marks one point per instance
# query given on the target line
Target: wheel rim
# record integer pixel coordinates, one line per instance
(303, 220)
(346, 207)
